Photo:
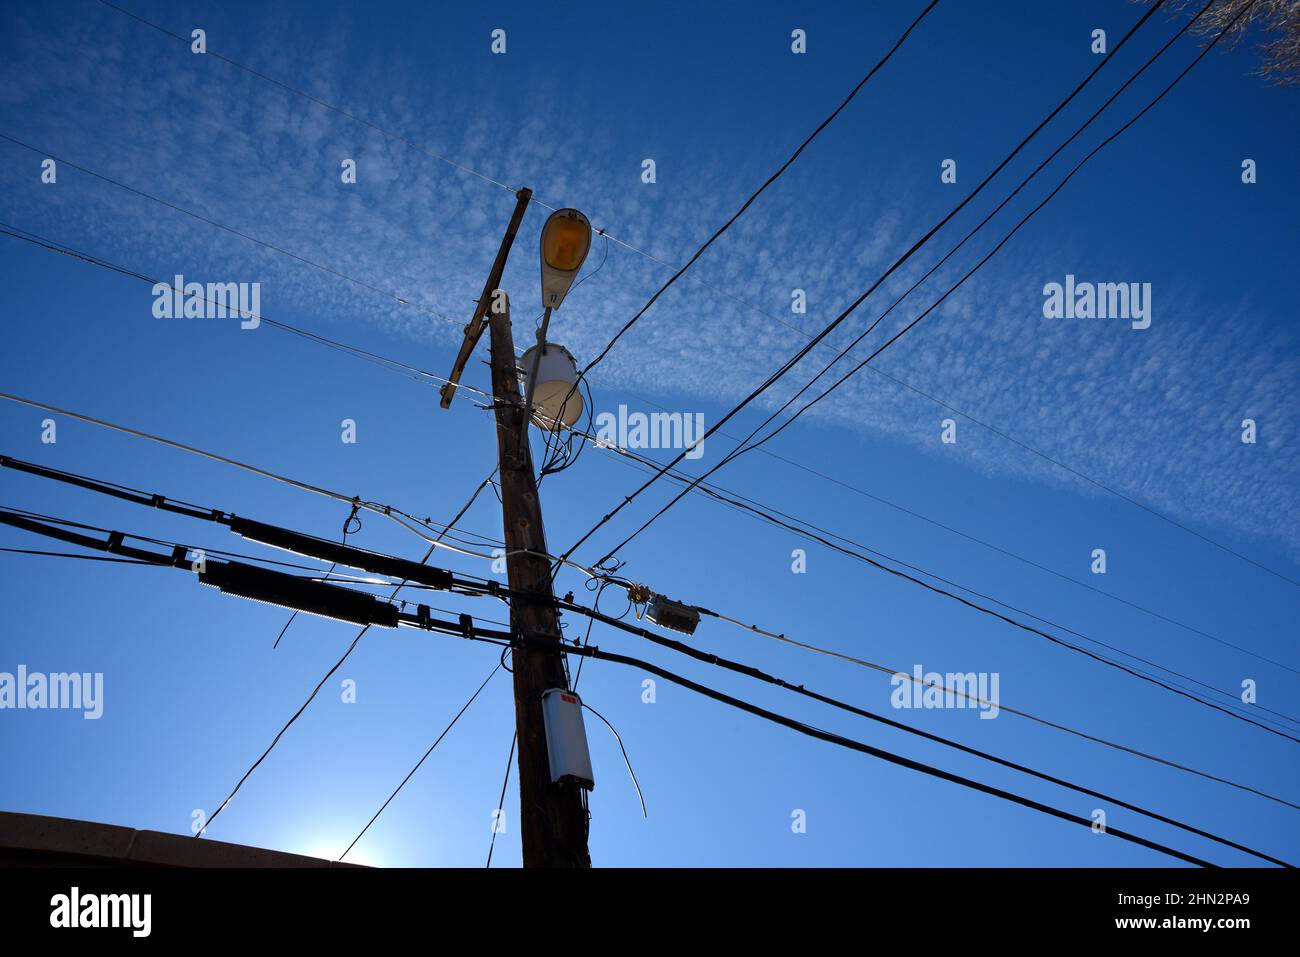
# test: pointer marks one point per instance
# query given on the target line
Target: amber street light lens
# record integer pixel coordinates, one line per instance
(565, 244)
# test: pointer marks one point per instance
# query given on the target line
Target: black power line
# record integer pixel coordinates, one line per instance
(505, 781)
(331, 601)
(591, 651)
(629, 661)
(815, 340)
(423, 376)
(410, 774)
(978, 226)
(388, 511)
(905, 329)
(338, 664)
(467, 630)
(75, 555)
(749, 305)
(1008, 236)
(752, 508)
(752, 672)
(745, 444)
(115, 542)
(768, 182)
(1044, 634)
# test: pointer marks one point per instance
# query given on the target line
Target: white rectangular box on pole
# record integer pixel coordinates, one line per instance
(566, 738)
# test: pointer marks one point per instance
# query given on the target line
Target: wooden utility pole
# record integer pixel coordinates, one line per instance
(552, 820)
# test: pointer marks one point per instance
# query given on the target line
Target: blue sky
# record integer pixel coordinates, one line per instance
(715, 97)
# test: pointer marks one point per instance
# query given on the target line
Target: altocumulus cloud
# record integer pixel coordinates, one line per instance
(1153, 414)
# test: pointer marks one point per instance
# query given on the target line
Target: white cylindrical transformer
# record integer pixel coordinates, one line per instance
(557, 400)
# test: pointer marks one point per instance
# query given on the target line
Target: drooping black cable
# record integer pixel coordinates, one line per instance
(745, 445)
(591, 620)
(58, 529)
(410, 774)
(491, 588)
(338, 664)
(756, 673)
(752, 672)
(913, 323)
(678, 646)
(978, 226)
(861, 556)
(607, 237)
(510, 760)
(591, 651)
(754, 508)
(1067, 178)
(768, 182)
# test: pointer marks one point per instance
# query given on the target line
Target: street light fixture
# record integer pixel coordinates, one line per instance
(566, 240)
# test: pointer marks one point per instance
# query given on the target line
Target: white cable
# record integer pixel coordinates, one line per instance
(377, 509)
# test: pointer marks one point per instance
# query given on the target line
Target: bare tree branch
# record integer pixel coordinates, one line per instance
(1278, 20)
